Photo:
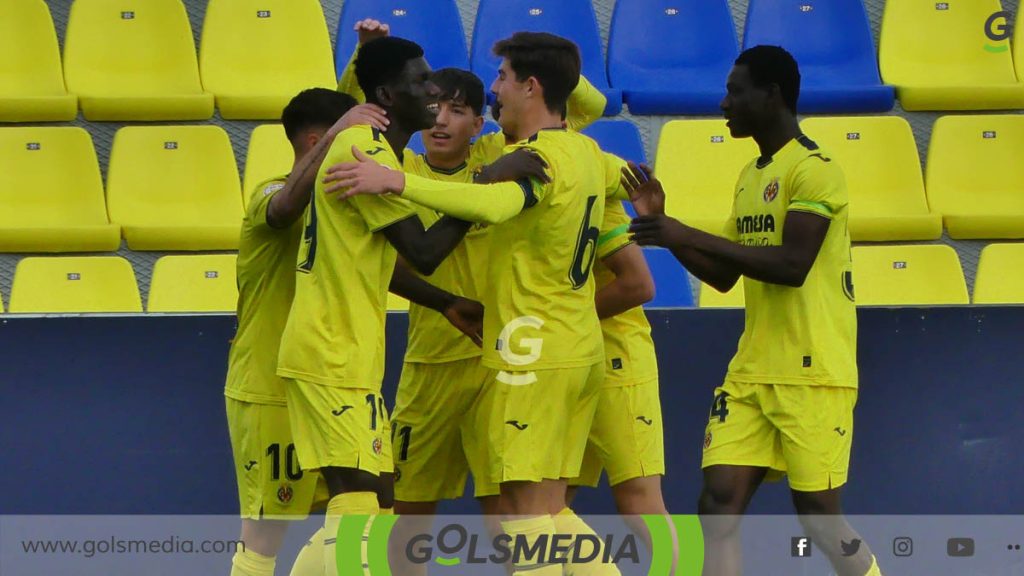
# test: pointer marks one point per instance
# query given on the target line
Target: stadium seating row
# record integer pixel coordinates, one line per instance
(168, 188)
(974, 176)
(883, 276)
(927, 275)
(177, 188)
(135, 59)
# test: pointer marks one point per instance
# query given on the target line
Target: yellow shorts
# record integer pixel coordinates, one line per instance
(339, 427)
(538, 430)
(271, 484)
(627, 438)
(804, 432)
(432, 429)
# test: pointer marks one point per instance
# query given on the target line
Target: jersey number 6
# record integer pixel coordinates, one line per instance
(586, 248)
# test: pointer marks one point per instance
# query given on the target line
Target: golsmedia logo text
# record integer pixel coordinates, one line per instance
(367, 546)
(999, 29)
(454, 545)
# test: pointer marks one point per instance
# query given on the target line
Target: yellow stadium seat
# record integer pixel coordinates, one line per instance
(883, 174)
(134, 60)
(194, 283)
(270, 155)
(699, 164)
(975, 175)
(175, 188)
(1000, 278)
(74, 284)
(51, 194)
(939, 56)
(396, 303)
(252, 73)
(31, 79)
(711, 298)
(908, 275)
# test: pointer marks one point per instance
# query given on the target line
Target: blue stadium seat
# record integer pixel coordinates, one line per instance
(433, 24)
(619, 137)
(416, 142)
(671, 56)
(573, 19)
(831, 39)
(671, 280)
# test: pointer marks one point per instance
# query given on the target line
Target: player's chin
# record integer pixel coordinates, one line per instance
(737, 130)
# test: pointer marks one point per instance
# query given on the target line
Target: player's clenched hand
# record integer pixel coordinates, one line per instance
(658, 230)
(363, 177)
(516, 165)
(468, 316)
(370, 114)
(645, 191)
(370, 29)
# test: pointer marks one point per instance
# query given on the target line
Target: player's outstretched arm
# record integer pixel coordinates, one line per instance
(489, 203)
(633, 285)
(367, 29)
(465, 314)
(788, 265)
(654, 228)
(289, 203)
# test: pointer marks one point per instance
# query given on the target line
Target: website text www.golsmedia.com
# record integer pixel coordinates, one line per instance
(113, 545)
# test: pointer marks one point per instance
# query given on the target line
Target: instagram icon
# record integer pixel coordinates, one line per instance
(902, 546)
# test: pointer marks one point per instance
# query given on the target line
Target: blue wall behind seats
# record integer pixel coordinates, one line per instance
(107, 415)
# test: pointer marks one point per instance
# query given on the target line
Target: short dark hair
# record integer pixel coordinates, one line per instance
(773, 65)
(554, 61)
(315, 107)
(380, 61)
(461, 86)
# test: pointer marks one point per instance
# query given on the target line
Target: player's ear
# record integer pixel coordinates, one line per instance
(384, 96)
(478, 125)
(532, 86)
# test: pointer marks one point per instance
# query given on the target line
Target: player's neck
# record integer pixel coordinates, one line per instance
(398, 138)
(448, 162)
(535, 120)
(777, 135)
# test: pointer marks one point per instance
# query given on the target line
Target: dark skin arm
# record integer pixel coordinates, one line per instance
(717, 261)
(787, 265)
(466, 315)
(648, 198)
(424, 250)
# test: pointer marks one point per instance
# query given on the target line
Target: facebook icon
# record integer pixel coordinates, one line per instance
(800, 547)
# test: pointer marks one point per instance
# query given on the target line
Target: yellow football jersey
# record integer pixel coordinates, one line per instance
(805, 335)
(266, 283)
(628, 346)
(335, 331)
(540, 294)
(432, 339)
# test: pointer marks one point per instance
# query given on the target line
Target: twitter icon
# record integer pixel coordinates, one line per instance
(850, 548)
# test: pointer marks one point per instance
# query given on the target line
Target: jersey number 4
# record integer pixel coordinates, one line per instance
(586, 248)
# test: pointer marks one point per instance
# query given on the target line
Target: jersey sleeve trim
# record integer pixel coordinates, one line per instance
(612, 234)
(812, 207)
